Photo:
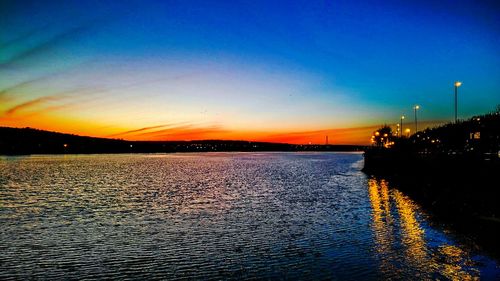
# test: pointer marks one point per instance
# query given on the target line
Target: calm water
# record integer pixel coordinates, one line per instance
(221, 215)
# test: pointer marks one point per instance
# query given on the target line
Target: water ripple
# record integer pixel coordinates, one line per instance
(216, 215)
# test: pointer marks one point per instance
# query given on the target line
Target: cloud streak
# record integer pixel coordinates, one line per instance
(138, 130)
(52, 42)
(23, 37)
(178, 131)
(6, 91)
(31, 103)
(42, 104)
(187, 133)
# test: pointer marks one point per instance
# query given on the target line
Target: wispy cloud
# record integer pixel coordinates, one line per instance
(191, 133)
(179, 131)
(24, 36)
(38, 81)
(4, 92)
(31, 103)
(50, 103)
(138, 130)
(53, 42)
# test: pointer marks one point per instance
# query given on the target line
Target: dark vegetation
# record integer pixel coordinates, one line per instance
(20, 141)
(452, 170)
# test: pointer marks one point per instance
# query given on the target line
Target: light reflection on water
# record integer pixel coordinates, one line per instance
(409, 249)
(217, 215)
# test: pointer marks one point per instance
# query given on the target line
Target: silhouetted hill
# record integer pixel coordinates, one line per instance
(32, 141)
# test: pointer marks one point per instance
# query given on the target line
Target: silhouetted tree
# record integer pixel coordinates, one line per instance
(382, 136)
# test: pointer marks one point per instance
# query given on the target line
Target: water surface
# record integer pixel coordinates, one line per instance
(218, 215)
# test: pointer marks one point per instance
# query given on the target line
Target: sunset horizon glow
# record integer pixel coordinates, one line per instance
(257, 71)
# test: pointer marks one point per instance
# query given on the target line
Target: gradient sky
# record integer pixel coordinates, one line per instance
(286, 71)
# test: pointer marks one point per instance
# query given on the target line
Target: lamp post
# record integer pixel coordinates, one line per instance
(415, 108)
(401, 126)
(457, 84)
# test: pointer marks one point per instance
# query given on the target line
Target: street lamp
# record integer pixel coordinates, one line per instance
(415, 108)
(457, 84)
(401, 126)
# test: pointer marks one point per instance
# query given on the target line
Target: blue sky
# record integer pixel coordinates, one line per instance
(244, 68)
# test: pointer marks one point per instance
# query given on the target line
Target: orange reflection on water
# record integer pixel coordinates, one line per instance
(412, 235)
(452, 268)
(379, 198)
(445, 260)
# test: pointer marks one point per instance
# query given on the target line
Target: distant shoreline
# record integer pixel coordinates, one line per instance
(28, 141)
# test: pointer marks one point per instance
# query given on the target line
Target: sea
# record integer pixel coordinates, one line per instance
(220, 216)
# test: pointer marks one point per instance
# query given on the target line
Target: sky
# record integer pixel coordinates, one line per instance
(281, 71)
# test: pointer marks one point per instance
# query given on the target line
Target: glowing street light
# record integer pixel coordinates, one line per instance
(401, 126)
(415, 108)
(457, 84)
(407, 131)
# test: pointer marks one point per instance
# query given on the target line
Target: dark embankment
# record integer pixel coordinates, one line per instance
(21, 141)
(453, 171)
